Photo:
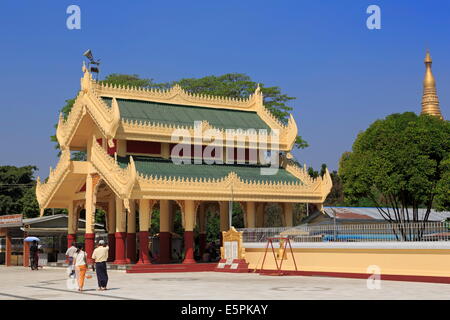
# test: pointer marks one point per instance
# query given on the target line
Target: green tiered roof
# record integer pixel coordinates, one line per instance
(166, 168)
(149, 111)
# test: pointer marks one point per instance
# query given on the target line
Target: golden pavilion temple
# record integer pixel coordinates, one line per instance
(128, 136)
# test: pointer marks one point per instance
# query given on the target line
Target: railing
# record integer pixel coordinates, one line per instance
(375, 232)
(45, 190)
(121, 180)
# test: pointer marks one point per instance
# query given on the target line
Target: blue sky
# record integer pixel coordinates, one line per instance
(344, 75)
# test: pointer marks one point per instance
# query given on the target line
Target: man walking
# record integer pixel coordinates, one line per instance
(69, 256)
(100, 256)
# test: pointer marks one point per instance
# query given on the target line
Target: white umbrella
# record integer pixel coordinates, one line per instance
(31, 239)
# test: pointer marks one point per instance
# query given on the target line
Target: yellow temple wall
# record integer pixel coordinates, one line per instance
(417, 262)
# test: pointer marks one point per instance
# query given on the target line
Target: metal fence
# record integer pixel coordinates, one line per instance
(375, 232)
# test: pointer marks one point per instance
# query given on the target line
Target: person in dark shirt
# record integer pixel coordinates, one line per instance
(34, 251)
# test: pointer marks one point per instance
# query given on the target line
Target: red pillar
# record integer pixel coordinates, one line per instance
(71, 238)
(165, 239)
(26, 254)
(143, 248)
(112, 247)
(188, 247)
(202, 244)
(120, 248)
(8, 250)
(131, 247)
(89, 245)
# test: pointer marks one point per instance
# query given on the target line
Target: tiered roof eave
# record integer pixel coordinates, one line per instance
(108, 119)
(127, 183)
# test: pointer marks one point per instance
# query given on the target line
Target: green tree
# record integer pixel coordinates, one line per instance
(402, 160)
(30, 206)
(239, 85)
(313, 173)
(300, 213)
(17, 191)
(336, 195)
(133, 80)
(273, 214)
(212, 227)
(154, 229)
(238, 216)
(442, 200)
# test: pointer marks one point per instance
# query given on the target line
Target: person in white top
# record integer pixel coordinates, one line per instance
(80, 261)
(69, 256)
(100, 256)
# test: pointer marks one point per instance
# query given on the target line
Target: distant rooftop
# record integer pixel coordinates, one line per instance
(372, 213)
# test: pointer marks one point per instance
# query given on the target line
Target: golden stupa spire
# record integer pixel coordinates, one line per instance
(430, 100)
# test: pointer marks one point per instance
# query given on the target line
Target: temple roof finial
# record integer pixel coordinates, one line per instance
(428, 57)
(430, 100)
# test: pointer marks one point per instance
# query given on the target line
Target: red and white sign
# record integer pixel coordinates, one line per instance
(13, 220)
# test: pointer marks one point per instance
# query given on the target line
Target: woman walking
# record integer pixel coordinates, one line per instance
(80, 261)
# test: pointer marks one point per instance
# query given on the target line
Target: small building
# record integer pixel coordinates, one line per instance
(51, 230)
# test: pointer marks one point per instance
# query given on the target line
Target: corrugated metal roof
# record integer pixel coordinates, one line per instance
(148, 111)
(31, 221)
(370, 213)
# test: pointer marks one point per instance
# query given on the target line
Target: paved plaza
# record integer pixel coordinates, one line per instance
(18, 283)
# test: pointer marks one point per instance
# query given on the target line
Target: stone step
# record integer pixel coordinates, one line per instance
(153, 268)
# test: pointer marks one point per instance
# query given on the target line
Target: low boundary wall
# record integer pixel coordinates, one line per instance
(410, 261)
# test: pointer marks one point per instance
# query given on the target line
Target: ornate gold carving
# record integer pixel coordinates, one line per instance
(45, 191)
(125, 181)
(107, 119)
(121, 181)
(163, 132)
(174, 95)
(95, 184)
(233, 235)
(300, 173)
(311, 190)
